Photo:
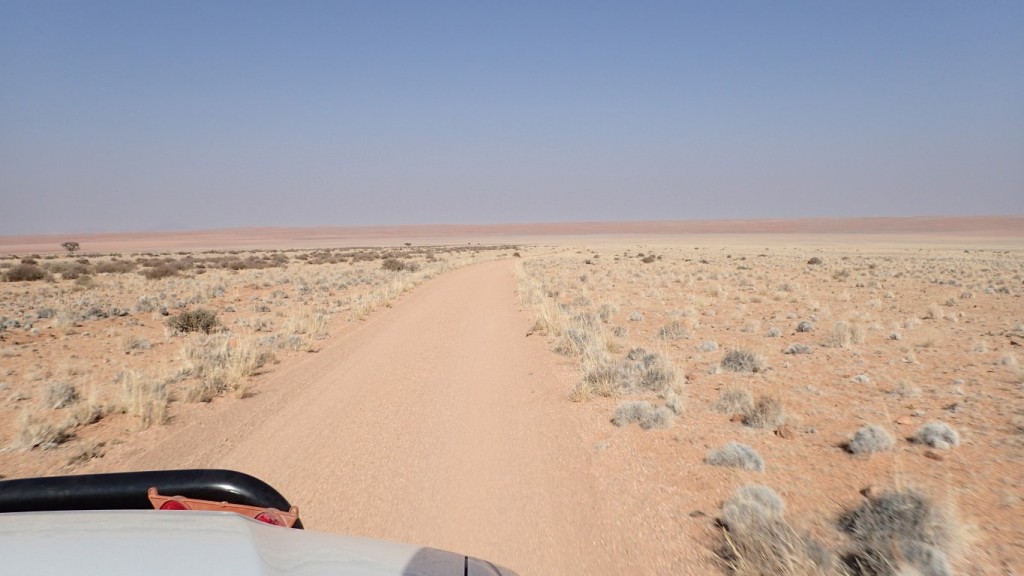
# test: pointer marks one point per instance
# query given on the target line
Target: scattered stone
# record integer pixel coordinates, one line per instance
(785, 431)
(934, 455)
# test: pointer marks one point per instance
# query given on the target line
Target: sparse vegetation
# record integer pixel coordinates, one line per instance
(766, 413)
(643, 413)
(736, 455)
(869, 440)
(898, 532)
(200, 320)
(756, 540)
(739, 360)
(937, 435)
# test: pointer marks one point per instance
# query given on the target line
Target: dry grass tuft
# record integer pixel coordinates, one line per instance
(899, 532)
(757, 540)
(144, 397)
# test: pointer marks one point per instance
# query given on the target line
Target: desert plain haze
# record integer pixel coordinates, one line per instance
(142, 116)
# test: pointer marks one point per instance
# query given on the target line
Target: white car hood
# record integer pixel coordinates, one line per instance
(194, 543)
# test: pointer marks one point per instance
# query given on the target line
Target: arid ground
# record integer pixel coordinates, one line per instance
(482, 389)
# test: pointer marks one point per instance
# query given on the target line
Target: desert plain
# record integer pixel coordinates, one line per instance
(559, 399)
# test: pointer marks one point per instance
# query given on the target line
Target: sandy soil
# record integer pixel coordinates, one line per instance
(444, 419)
(942, 230)
(437, 423)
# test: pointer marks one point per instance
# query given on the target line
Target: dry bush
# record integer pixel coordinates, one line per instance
(25, 273)
(222, 364)
(673, 331)
(845, 334)
(735, 401)
(937, 435)
(144, 397)
(899, 532)
(200, 320)
(739, 360)
(736, 455)
(60, 395)
(869, 440)
(756, 540)
(766, 413)
(35, 431)
(643, 413)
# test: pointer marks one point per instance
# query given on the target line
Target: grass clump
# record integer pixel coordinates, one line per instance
(845, 334)
(222, 364)
(146, 398)
(60, 395)
(735, 401)
(937, 435)
(757, 540)
(739, 360)
(797, 348)
(896, 533)
(869, 440)
(766, 413)
(673, 331)
(37, 432)
(643, 413)
(736, 455)
(650, 371)
(200, 320)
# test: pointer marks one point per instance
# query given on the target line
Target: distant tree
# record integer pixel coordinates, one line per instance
(71, 247)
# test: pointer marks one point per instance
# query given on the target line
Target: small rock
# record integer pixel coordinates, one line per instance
(870, 492)
(736, 418)
(697, 514)
(785, 431)
(934, 455)
(905, 420)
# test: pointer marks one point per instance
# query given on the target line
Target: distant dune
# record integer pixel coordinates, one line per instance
(951, 228)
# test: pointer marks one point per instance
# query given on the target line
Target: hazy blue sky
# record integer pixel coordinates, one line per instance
(143, 115)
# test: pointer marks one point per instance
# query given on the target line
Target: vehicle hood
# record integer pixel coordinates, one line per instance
(205, 543)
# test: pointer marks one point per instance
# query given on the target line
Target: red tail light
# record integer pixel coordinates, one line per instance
(270, 517)
(173, 505)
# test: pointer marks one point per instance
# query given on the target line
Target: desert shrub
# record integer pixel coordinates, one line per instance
(736, 455)
(804, 326)
(392, 264)
(673, 331)
(639, 371)
(870, 439)
(606, 311)
(199, 320)
(643, 370)
(145, 398)
(115, 267)
(68, 270)
(757, 541)
(583, 330)
(814, 261)
(739, 360)
(774, 332)
(796, 348)
(36, 432)
(898, 532)
(709, 346)
(636, 316)
(222, 364)
(160, 271)
(60, 395)
(937, 435)
(25, 273)
(845, 334)
(766, 413)
(735, 401)
(674, 402)
(643, 413)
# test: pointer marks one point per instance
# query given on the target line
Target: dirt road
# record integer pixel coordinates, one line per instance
(436, 422)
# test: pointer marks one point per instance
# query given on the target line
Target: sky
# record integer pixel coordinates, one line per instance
(148, 116)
